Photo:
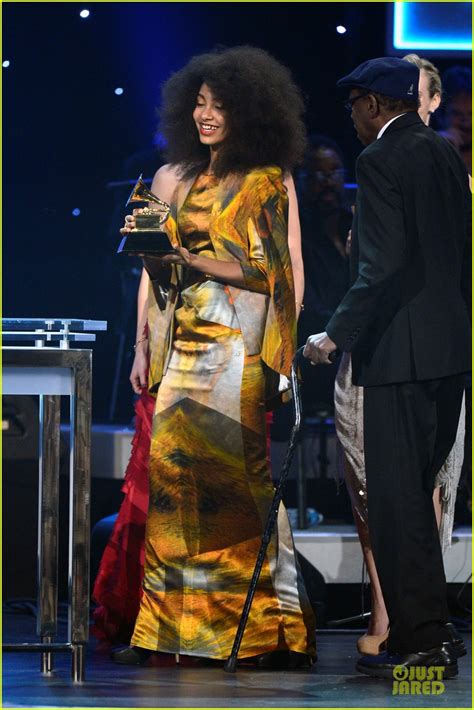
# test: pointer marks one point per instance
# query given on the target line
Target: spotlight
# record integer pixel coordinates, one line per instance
(340, 29)
(76, 212)
(118, 91)
(84, 14)
(6, 63)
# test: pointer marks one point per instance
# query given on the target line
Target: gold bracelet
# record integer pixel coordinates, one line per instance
(140, 340)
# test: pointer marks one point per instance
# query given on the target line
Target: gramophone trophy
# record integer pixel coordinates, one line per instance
(147, 237)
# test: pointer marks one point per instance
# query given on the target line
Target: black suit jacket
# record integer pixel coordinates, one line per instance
(404, 318)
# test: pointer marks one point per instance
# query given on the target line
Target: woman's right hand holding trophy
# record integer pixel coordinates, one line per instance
(130, 223)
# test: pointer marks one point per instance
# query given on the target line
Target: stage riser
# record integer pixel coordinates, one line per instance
(110, 451)
(335, 551)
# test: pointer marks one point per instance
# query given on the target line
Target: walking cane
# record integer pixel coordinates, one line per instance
(231, 663)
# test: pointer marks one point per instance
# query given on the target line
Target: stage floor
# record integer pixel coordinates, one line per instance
(332, 682)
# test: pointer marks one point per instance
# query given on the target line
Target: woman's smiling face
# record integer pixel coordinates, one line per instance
(209, 117)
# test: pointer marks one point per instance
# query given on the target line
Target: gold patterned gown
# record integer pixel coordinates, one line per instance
(210, 486)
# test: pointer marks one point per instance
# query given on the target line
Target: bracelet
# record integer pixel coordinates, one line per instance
(140, 340)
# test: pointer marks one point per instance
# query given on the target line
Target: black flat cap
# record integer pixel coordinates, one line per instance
(390, 76)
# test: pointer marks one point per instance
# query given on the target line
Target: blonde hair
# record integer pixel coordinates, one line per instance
(433, 73)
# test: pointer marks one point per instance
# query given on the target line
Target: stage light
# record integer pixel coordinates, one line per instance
(118, 91)
(76, 212)
(438, 26)
(6, 63)
(84, 14)
(340, 29)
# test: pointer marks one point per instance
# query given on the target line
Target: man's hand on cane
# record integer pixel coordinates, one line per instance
(318, 348)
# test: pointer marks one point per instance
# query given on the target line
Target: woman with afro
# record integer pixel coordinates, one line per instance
(216, 323)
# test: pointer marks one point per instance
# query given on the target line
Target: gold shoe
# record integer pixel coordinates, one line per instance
(371, 645)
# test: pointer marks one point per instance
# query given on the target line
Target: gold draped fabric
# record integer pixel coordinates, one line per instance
(248, 223)
(210, 485)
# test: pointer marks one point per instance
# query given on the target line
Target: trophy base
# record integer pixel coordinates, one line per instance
(151, 243)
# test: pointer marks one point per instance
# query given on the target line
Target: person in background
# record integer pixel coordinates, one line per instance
(349, 401)
(325, 223)
(430, 89)
(456, 111)
(218, 345)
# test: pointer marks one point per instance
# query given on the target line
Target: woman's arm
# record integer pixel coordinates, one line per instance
(138, 375)
(228, 271)
(163, 186)
(142, 305)
(294, 243)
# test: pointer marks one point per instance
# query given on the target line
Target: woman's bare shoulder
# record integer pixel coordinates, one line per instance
(165, 182)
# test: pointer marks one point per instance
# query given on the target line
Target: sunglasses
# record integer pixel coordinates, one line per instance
(350, 102)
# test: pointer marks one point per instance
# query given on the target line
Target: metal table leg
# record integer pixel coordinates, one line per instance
(79, 515)
(78, 663)
(48, 518)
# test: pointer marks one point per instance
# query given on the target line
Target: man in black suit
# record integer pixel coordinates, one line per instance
(406, 325)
